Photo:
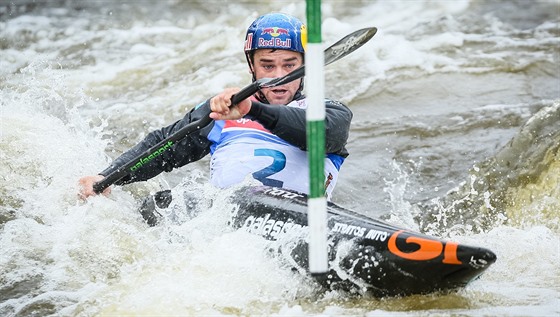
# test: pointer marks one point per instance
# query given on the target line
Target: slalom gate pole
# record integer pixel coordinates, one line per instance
(315, 117)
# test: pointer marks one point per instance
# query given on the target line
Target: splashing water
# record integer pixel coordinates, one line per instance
(436, 96)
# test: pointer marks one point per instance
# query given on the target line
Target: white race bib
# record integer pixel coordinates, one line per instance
(246, 148)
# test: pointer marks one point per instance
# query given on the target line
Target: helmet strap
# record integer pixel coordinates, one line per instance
(259, 95)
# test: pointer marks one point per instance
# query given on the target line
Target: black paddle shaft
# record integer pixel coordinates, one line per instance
(343, 47)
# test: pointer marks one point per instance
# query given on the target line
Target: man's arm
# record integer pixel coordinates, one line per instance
(289, 123)
(192, 148)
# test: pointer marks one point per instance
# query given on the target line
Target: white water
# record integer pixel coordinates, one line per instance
(443, 85)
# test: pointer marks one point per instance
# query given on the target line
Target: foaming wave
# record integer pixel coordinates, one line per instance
(440, 39)
(57, 249)
(198, 265)
(517, 186)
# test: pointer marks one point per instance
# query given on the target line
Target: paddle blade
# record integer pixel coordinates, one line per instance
(348, 44)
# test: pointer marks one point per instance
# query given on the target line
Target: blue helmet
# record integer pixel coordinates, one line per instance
(276, 31)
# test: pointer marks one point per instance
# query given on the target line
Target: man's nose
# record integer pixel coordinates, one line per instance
(279, 72)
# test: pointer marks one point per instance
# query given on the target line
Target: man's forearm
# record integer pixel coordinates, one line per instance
(192, 148)
(289, 123)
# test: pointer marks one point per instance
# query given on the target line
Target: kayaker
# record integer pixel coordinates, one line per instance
(263, 136)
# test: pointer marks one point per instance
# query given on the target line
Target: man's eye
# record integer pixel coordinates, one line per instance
(268, 66)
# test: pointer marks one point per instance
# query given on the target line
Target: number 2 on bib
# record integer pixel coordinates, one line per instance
(278, 164)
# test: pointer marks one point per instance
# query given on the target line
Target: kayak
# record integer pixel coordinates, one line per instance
(365, 255)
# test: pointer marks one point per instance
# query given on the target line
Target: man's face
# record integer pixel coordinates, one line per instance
(277, 63)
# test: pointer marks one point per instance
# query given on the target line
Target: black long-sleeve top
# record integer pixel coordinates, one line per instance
(289, 123)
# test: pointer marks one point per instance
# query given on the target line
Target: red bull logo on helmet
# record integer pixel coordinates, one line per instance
(275, 42)
(276, 38)
(274, 31)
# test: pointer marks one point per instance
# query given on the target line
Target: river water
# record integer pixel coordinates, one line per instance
(456, 133)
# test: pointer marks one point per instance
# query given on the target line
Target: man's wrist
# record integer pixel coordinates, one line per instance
(255, 110)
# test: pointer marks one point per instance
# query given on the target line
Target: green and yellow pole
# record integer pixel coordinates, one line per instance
(315, 83)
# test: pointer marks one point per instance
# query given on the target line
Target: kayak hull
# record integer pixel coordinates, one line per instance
(365, 255)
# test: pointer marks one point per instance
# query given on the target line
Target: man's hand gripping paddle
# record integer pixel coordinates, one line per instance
(338, 50)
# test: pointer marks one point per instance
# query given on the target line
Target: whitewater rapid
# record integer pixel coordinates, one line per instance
(439, 95)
